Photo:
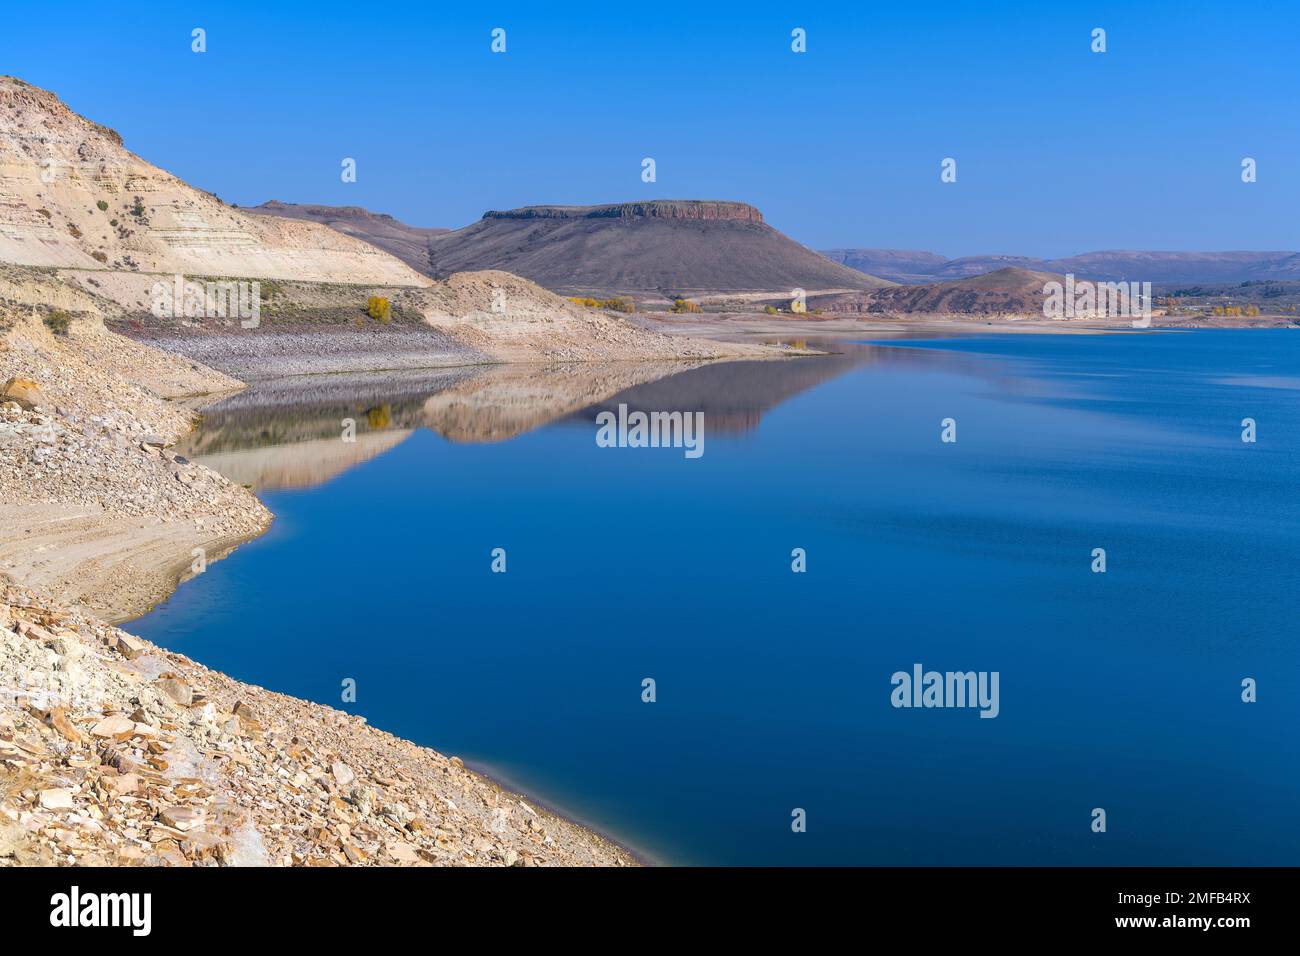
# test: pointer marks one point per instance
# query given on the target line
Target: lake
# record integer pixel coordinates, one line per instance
(1119, 691)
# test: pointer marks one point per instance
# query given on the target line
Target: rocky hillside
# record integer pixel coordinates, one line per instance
(71, 195)
(1011, 290)
(408, 243)
(114, 751)
(96, 509)
(660, 247)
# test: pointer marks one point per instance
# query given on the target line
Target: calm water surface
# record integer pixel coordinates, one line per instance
(1118, 690)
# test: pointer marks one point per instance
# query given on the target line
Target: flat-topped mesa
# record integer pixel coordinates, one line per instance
(312, 210)
(698, 210)
(645, 247)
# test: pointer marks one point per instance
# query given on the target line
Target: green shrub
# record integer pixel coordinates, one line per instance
(103, 206)
(57, 322)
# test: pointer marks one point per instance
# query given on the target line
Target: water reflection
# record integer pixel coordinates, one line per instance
(288, 433)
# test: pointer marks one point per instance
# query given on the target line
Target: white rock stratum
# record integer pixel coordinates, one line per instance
(58, 168)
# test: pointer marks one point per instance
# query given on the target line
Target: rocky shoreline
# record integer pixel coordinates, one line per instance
(114, 751)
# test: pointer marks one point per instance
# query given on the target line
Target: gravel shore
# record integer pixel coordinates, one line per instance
(116, 751)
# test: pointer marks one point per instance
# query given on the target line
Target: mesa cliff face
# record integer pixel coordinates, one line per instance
(661, 246)
(71, 196)
(688, 210)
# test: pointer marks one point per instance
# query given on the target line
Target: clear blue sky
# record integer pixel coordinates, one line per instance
(1059, 150)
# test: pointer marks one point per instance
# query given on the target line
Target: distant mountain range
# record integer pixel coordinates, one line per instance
(708, 246)
(1160, 268)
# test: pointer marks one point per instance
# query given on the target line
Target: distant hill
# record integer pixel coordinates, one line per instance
(1011, 289)
(1159, 268)
(1181, 267)
(72, 196)
(896, 265)
(408, 243)
(970, 266)
(658, 246)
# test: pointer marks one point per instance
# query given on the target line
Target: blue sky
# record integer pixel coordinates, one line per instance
(1059, 150)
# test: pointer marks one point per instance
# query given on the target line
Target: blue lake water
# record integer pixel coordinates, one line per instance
(1119, 690)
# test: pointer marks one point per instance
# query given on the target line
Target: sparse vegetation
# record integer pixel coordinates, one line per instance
(1235, 311)
(685, 305)
(58, 322)
(99, 256)
(617, 305)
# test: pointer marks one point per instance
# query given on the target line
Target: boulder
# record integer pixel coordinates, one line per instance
(23, 391)
(57, 718)
(35, 632)
(57, 798)
(176, 690)
(343, 775)
(180, 818)
(130, 647)
(122, 785)
(115, 727)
